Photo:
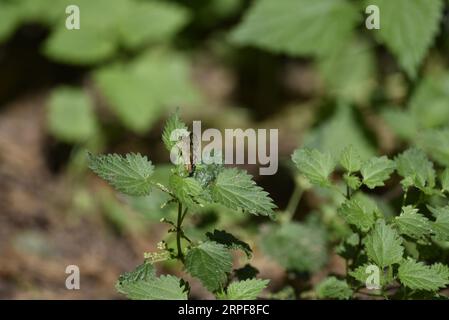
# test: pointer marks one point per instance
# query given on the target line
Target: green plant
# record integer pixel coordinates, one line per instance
(190, 187)
(404, 248)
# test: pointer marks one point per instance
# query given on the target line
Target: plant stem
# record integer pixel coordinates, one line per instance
(179, 232)
(293, 202)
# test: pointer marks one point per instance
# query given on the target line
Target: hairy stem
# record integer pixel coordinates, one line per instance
(179, 232)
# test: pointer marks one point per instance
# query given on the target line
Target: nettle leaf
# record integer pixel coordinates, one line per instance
(362, 273)
(417, 276)
(130, 174)
(173, 123)
(383, 245)
(436, 143)
(235, 189)
(229, 241)
(317, 27)
(350, 159)
(412, 223)
(210, 262)
(165, 287)
(441, 225)
(428, 104)
(131, 24)
(95, 41)
(9, 19)
(414, 166)
(206, 173)
(187, 190)
(353, 182)
(349, 73)
(145, 272)
(332, 288)
(151, 22)
(355, 213)
(444, 179)
(376, 170)
(409, 34)
(441, 269)
(314, 165)
(295, 246)
(46, 12)
(142, 284)
(71, 116)
(337, 133)
(138, 92)
(244, 290)
(403, 124)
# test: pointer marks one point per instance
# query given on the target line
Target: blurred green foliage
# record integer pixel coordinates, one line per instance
(377, 90)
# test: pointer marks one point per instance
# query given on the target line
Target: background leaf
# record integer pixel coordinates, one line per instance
(318, 27)
(408, 29)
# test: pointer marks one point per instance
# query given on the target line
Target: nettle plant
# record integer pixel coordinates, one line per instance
(387, 255)
(191, 186)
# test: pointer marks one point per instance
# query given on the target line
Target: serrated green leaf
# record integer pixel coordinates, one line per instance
(130, 174)
(298, 247)
(350, 159)
(441, 225)
(383, 245)
(412, 223)
(71, 116)
(229, 241)
(356, 214)
(414, 166)
(444, 179)
(235, 189)
(297, 27)
(162, 288)
(244, 290)
(206, 174)
(144, 272)
(408, 29)
(360, 273)
(210, 262)
(314, 165)
(353, 182)
(187, 190)
(142, 284)
(376, 170)
(417, 276)
(173, 123)
(332, 288)
(441, 269)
